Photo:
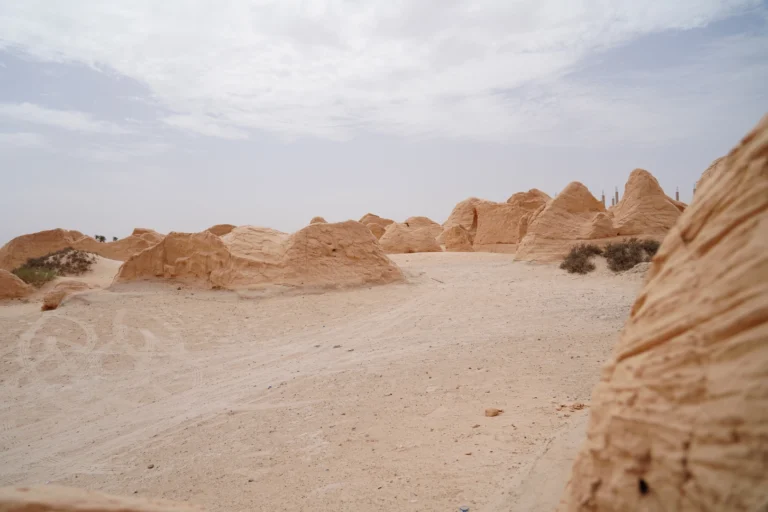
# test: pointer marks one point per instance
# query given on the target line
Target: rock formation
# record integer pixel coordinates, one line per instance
(325, 255)
(20, 249)
(714, 168)
(424, 223)
(318, 220)
(377, 229)
(369, 218)
(403, 239)
(464, 214)
(457, 239)
(49, 498)
(645, 209)
(218, 229)
(572, 217)
(11, 287)
(498, 223)
(63, 290)
(679, 419)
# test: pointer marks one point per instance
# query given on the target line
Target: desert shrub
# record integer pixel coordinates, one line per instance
(114, 239)
(66, 262)
(577, 261)
(628, 253)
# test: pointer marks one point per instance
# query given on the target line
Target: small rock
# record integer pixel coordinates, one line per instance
(150, 466)
(492, 411)
(337, 346)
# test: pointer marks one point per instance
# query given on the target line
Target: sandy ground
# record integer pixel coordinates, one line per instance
(369, 399)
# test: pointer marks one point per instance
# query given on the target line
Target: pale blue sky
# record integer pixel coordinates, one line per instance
(177, 115)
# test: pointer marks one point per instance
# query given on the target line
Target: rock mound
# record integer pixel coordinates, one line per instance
(530, 200)
(573, 216)
(464, 214)
(424, 223)
(45, 498)
(11, 287)
(324, 255)
(498, 223)
(457, 239)
(221, 229)
(403, 239)
(64, 289)
(20, 249)
(645, 209)
(369, 218)
(678, 419)
(318, 220)
(377, 229)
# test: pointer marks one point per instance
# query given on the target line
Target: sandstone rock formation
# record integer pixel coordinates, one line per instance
(64, 289)
(11, 287)
(457, 239)
(679, 418)
(424, 223)
(20, 249)
(464, 214)
(369, 218)
(318, 220)
(218, 229)
(531, 200)
(714, 168)
(377, 229)
(324, 255)
(45, 498)
(498, 223)
(572, 217)
(403, 239)
(645, 209)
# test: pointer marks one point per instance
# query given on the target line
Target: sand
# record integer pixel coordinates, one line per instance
(356, 400)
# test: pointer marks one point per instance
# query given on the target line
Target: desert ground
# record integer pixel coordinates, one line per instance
(364, 399)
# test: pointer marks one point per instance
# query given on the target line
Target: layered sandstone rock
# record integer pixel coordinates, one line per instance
(45, 498)
(403, 239)
(572, 217)
(324, 255)
(424, 223)
(20, 249)
(318, 220)
(369, 218)
(679, 419)
(498, 223)
(714, 168)
(645, 209)
(377, 229)
(220, 229)
(464, 214)
(457, 239)
(11, 287)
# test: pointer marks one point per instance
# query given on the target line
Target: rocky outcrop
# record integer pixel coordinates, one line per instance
(377, 229)
(318, 220)
(320, 255)
(679, 419)
(572, 217)
(221, 229)
(11, 287)
(645, 209)
(457, 239)
(20, 249)
(403, 239)
(464, 214)
(498, 223)
(369, 218)
(45, 498)
(424, 223)
(714, 168)
(531, 200)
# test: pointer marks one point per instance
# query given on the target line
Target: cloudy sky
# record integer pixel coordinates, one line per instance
(180, 114)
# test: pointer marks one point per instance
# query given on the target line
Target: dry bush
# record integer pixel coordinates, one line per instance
(628, 253)
(66, 262)
(577, 261)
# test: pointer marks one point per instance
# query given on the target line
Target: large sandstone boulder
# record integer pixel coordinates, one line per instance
(572, 217)
(645, 209)
(11, 287)
(531, 200)
(403, 239)
(220, 229)
(457, 239)
(50, 498)
(16, 252)
(318, 220)
(377, 229)
(498, 223)
(464, 214)
(369, 218)
(424, 223)
(679, 419)
(323, 255)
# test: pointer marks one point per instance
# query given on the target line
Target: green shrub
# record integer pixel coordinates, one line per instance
(35, 276)
(66, 262)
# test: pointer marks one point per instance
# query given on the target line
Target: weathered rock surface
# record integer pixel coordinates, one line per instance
(424, 223)
(402, 239)
(464, 214)
(457, 239)
(498, 223)
(679, 419)
(323, 255)
(63, 289)
(221, 229)
(645, 209)
(318, 220)
(714, 168)
(369, 218)
(11, 287)
(377, 229)
(45, 498)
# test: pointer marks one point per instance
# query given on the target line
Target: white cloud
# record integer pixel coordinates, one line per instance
(65, 119)
(22, 140)
(333, 68)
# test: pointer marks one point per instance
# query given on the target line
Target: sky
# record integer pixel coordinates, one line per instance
(181, 114)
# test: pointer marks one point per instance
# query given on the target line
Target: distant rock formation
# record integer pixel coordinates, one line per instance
(369, 218)
(679, 418)
(11, 287)
(219, 229)
(464, 214)
(403, 239)
(377, 229)
(424, 223)
(645, 209)
(320, 255)
(318, 220)
(20, 249)
(498, 223)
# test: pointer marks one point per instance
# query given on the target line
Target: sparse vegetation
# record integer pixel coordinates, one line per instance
(621, 256)
(66, 262)
(577, 261)
(114, 239)
(100, 238)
